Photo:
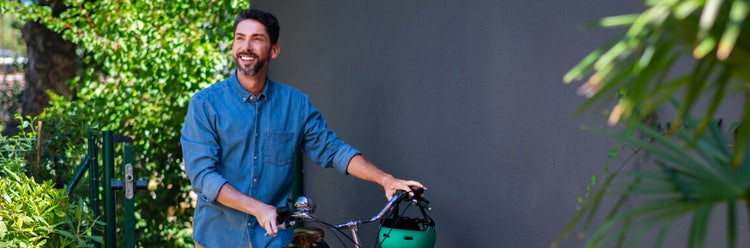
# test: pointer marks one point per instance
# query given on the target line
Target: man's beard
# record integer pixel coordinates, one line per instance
(252, 70)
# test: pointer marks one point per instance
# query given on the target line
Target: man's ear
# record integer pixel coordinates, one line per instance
(275, 50)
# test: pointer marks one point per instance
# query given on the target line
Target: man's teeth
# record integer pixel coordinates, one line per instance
(246, 58)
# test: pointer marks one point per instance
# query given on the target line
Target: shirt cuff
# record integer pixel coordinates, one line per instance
(343, 156)
(211, 187)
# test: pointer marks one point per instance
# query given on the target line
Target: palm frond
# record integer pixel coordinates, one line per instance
(692, 166)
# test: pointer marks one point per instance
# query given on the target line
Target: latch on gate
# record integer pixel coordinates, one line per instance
(129, 183)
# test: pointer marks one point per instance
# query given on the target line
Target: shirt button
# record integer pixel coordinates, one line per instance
(255, 157)
(255, 180)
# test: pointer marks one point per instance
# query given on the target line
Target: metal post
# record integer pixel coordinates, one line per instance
(94, 178)
(109, 199)
(129, 188)
(297, 182)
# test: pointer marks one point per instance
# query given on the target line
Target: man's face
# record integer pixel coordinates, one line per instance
(252, 47)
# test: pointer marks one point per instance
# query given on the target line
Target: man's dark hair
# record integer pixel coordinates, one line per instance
(265, 18)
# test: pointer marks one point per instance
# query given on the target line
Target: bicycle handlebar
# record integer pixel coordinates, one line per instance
(415, 197)
(304, 207)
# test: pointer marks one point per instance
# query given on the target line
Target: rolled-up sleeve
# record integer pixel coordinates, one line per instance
(200, 150)
(322, 145)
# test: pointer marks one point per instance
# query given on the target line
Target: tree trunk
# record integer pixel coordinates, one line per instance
(51, 63)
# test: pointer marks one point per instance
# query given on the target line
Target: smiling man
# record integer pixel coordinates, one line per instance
(240, 136)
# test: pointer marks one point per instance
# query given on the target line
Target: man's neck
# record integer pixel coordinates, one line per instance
(254, 84)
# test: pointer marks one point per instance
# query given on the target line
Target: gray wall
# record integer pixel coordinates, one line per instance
(464, 96)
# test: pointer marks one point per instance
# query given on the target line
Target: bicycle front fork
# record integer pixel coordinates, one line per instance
(355, 236)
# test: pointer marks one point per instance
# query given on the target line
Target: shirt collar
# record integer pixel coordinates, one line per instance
(244, 94)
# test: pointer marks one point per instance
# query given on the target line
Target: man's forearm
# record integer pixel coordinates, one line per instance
(233, 198)
(360, 168)
(264, 213)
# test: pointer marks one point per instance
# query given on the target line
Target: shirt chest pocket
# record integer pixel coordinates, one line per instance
(279, 147)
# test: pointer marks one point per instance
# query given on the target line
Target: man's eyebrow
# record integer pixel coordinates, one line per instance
(251, 35)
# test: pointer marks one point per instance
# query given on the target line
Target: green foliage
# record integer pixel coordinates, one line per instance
(33, 214)
(634, 70)
(62, 144)
(10, 34)
(696, 166)
(13, 149)
(140, 63)
(692, 177)
(39, 215)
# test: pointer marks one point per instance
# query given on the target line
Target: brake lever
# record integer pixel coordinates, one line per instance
(416, 193)
(418, 198)
(283, 216)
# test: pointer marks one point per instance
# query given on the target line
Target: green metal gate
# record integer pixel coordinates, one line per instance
(128, 184)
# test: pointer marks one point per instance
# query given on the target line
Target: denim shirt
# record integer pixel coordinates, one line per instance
(231, 136)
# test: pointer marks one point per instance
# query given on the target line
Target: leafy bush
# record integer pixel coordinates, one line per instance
(34, 214)
(13, 149)
(39, 215)
(140, 62)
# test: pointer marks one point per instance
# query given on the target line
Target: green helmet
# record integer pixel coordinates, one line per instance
(399, 231)
(399, 238)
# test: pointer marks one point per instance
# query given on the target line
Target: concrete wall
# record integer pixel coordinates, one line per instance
(464, 96)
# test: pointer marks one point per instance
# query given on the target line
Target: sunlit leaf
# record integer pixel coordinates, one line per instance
(708, 17)
(737, 16)
(613, 21)
(704, 48)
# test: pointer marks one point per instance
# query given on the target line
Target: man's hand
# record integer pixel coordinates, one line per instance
(392, 184)
(264, 213)
(266, 216)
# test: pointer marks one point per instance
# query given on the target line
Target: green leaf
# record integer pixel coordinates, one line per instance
(3, 228)
(741, 148)
(613, 21)
(708, 17)
(65, 233)
(737, 16)
(731, 223)
(698, 227)
(583, 68)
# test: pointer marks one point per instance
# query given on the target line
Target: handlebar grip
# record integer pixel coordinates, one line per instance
(418, 196)
(284, 218)
(417, 190)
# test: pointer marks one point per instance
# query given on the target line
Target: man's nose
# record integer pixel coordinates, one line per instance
(248, 44)
(245, 45)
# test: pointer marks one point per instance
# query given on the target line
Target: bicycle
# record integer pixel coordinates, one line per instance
(395, 231)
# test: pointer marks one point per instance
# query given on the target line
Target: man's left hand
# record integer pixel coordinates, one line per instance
(392, 184)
